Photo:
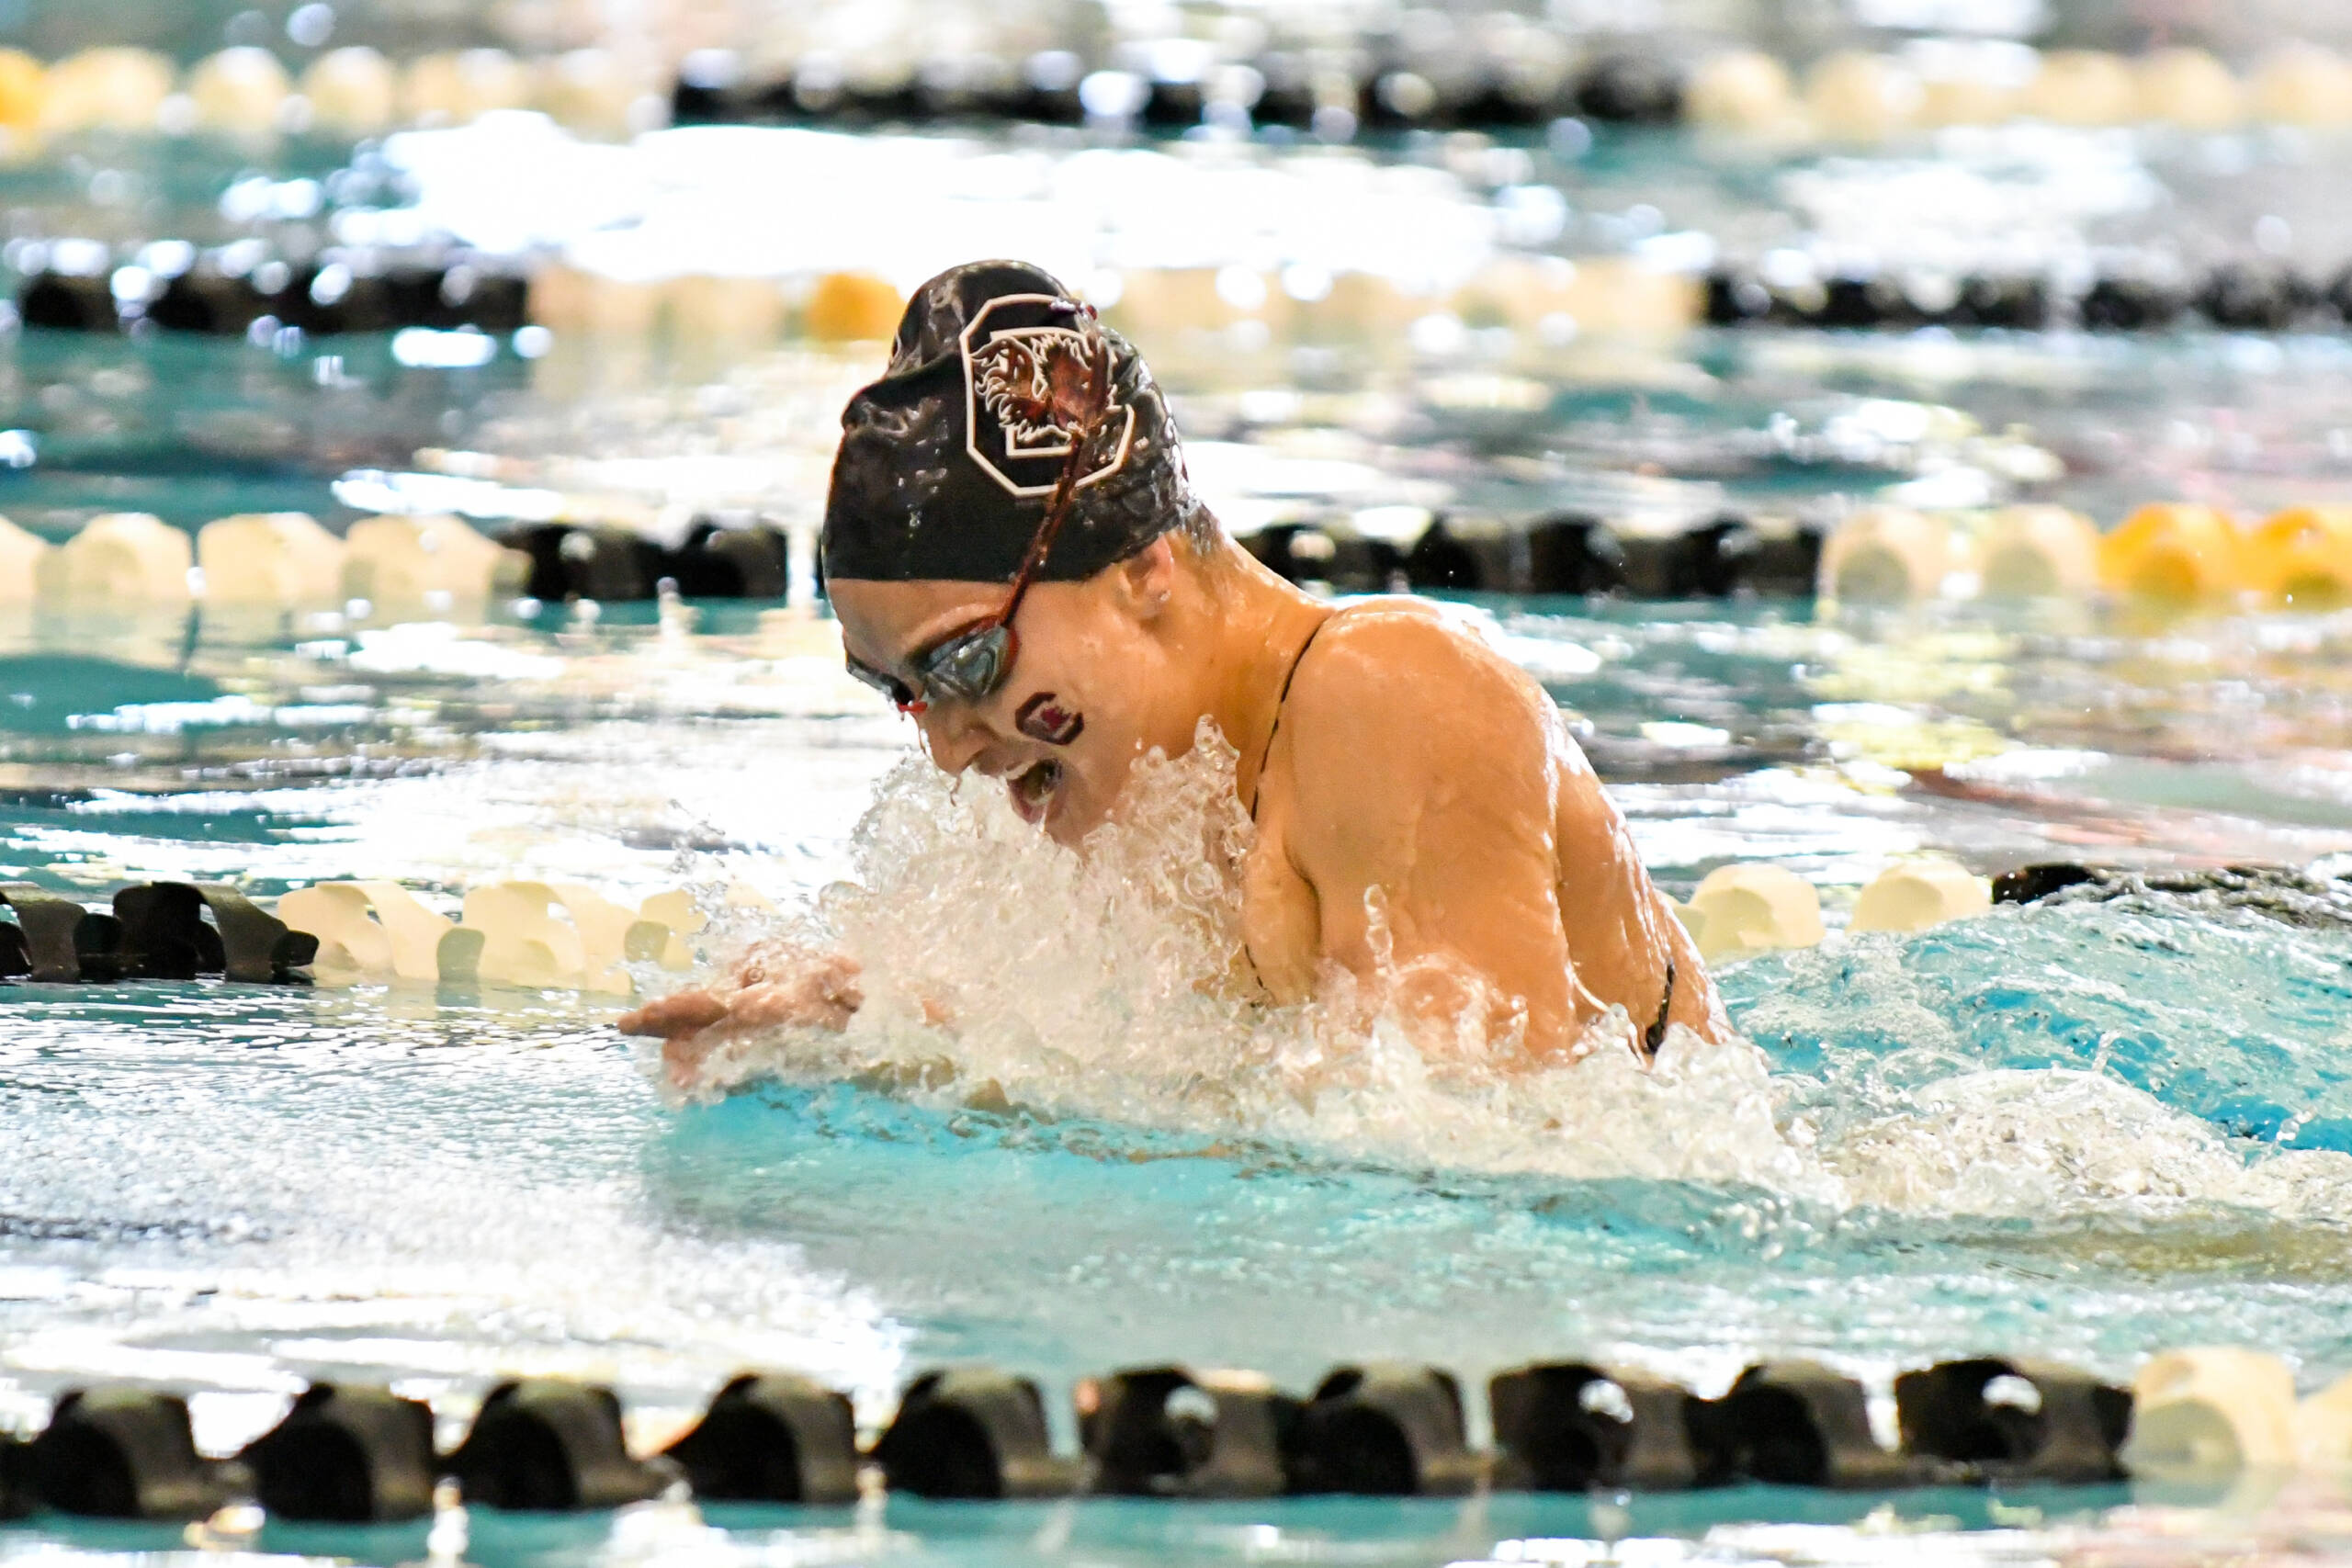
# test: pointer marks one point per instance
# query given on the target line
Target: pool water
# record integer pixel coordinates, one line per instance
(2085, 1131)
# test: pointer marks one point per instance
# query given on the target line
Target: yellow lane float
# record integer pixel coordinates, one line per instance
(610, 935)
(352, 947)
(2174, 550)
(1159, 302)
(852, 306)
(24, 92)
(403, 940)
(1963, 83)
(677, 910)
(2303, 557)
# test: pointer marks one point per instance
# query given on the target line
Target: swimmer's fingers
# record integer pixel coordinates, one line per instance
(822, 999)
(673, 1018)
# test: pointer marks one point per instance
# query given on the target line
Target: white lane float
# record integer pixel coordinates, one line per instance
(406, 559)
(1740, 911)
(242, 91)
(107, 89)
(270, 558)
(2212, 1412)
(2037, 552)
(20, 557)
(353, 91)
(1888, 555)
(119, 557)
(1915, 894)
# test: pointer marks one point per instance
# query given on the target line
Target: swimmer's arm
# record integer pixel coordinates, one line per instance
(1425, 773)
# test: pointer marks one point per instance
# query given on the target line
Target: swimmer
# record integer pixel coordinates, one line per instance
(1017, 561)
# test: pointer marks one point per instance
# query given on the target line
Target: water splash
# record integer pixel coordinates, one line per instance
(1005, 973)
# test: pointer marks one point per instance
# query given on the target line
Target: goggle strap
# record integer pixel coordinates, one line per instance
(1042, 543)
(1066, 488)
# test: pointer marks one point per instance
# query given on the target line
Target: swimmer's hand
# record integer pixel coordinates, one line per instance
(772, 991)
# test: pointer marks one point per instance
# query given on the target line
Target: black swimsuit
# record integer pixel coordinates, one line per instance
(1655, 1035)
(1652, 1038)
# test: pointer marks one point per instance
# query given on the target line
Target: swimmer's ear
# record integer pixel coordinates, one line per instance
(1146, 580)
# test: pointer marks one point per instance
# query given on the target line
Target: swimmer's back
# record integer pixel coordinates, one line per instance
(1411, 761)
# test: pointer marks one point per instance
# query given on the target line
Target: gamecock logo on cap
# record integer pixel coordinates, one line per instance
(1028, 389)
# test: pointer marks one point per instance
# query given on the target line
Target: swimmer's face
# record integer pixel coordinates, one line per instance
(1090, 689)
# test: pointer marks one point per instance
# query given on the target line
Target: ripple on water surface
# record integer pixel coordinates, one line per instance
(2084, 1132)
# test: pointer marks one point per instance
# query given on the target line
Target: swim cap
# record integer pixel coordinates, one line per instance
(947, 462)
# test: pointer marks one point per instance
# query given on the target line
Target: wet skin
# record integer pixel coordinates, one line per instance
(1420, 795)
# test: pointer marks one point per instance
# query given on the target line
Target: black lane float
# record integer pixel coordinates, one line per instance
(158, 930)
(2239, 295)
(1331, 96)
(714, 560)
(329, 297)
(1558, 553)
(353, 1454)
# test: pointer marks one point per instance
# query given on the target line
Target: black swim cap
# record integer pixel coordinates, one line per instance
(947, 462)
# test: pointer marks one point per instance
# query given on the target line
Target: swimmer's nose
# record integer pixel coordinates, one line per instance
(955, 743)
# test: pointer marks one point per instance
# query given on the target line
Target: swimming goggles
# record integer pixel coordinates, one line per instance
(969, 665)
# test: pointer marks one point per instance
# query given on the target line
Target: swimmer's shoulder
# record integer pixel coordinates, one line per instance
(1388, 676)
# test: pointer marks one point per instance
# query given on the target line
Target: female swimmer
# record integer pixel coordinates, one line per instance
(1016, 560)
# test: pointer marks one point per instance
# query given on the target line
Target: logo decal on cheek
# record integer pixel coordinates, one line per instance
(1042, 718)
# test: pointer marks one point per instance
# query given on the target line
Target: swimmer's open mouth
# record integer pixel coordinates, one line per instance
(1033, 789)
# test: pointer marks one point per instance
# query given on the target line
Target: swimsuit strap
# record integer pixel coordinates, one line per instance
(1655, 1035)
(1267, 756)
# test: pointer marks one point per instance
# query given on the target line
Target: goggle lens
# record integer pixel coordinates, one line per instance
(968, 667)
(971, 667)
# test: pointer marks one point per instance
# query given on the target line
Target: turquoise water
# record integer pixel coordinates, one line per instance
(231, 1190)
(2083, 1132)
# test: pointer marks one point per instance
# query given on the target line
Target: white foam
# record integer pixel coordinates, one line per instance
(1097, 985)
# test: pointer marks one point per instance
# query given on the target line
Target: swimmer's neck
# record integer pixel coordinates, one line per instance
(1242, 636)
